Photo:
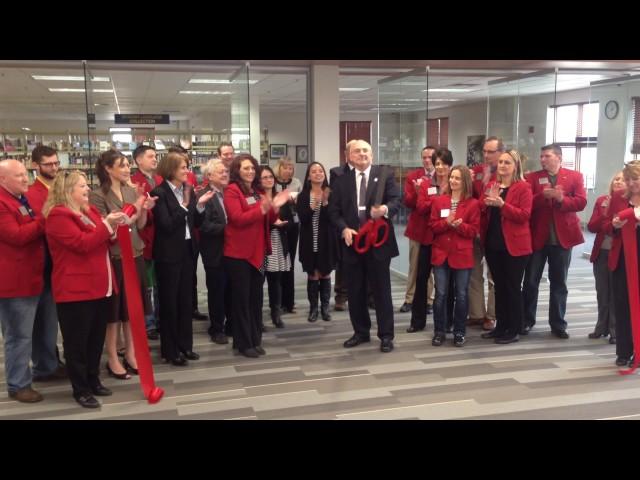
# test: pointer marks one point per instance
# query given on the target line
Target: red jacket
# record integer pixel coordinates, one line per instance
(37, 195)
(426, 195)
(454, 244)
(21, 249)
(514, 218)
(617, 204)
(480, 179)
(596, 224)
(246, 235)
(417, 224)
(80, 253)
(148, 233)
(563, 215)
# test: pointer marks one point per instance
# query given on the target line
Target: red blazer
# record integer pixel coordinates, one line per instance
(148, 233)
(454, 244)
(423, 208)
(563, 214)
(417, 227)
(480, 179)
(596, 224)
(21, 249)
(246, 235)
(80, 254)
(617, 204)
(37, 195)
(514, 218)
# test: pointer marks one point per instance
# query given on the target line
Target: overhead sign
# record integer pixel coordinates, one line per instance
(141, 119)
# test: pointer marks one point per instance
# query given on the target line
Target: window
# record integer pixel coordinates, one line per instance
(438, 132)
(635, 121)
(575, 128)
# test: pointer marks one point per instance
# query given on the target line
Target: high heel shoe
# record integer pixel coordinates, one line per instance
(129, 368)
(119, 376)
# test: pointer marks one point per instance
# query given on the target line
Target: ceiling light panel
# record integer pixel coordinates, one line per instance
(69, 78)
(203, 92)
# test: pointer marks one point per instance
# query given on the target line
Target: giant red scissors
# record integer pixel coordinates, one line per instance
(368, 234)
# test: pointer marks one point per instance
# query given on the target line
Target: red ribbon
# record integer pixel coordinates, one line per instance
(369, 233)
(136, 313)
(633, 287)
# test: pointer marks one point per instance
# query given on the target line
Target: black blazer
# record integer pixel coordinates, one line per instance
(336, 172)
(343, 210)
(211, 225)
(169, 218)
(327, 244)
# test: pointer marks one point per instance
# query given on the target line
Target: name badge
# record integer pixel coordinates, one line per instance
(23, 210)
(432, 191)
(85, 220)
(444, 213)
(479, 176)
(543, 181)
(362, 208)
(251, 200)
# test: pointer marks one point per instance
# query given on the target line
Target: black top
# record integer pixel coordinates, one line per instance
(326, 255)
(495, 237)
(211, 226)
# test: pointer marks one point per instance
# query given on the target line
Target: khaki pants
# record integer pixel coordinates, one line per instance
(476, 287)
(414, 251)
(431, 293)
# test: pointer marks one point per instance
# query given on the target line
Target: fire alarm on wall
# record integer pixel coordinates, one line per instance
(531, 129)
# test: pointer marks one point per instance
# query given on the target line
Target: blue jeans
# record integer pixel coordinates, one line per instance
(441, 275)
(16, 317)
(559, 260)
(151, 320)
(45, 334)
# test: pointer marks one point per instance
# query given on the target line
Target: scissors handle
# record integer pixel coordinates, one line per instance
(379, 224)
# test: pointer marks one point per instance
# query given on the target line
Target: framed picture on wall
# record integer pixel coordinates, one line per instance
(302, 154)
(277, 150)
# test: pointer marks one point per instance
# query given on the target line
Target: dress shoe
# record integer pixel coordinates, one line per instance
(413, 329)
(386, 345)
(492, 334)
(488, 324)
(355, 340)
(288, 310)
(438, 339)
(406, 307)
(196, 315)
(612, 340)
(129, 368)
(26, 395)
(119, 376)
(429, 309)
(459, 340)
(87, 400)
(59, 373)
(507, 339)
(220, 339)
(475, 321)
(152, 335)
(560, 333)
(278, 323)
(621, 362)
(340, 306)
(101, 391)
(250, 352)
(525, 330)
(179, 362)
(260, 350)
(594, 335)
(191, 355)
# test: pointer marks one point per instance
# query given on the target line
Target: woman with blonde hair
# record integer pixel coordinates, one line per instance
(506, 239)
(82, 280)
(285, 180)
(606, 324)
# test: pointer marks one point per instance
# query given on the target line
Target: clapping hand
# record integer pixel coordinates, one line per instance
(281, 198)
(617, 223)
(280, 223)
(205, 198)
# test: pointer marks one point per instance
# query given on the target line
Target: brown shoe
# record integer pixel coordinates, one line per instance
(340, 307)
(26, 395)
(488, 324)
(475, 321)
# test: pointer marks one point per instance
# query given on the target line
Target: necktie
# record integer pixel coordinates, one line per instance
(219, 195)
(362, 212)
(25, 203)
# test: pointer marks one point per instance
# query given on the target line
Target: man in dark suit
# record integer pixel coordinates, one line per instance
(339, 289)
(352, 202)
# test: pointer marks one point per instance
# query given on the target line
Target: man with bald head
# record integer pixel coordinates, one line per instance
(362, 194)
(21, 282)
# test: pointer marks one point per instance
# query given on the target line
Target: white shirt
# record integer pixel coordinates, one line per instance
(359, 180)
(179, 193)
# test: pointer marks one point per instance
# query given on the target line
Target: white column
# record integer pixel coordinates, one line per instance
(325, 115)
(254, 124)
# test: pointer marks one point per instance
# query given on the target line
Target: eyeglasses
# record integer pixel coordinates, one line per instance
(50, 164)
(489, 151)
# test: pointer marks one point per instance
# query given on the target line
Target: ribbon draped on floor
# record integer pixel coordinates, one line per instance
(630, 247)
(136, 313)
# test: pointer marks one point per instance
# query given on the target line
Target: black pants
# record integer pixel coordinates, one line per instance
(624, 338)
(377, 273)
(176, 307)
(245, 282)
(84, 327)
(194, 291)
(507, 273)
(218, 298)
(419, 305)
(276, 293)
(287, 281)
